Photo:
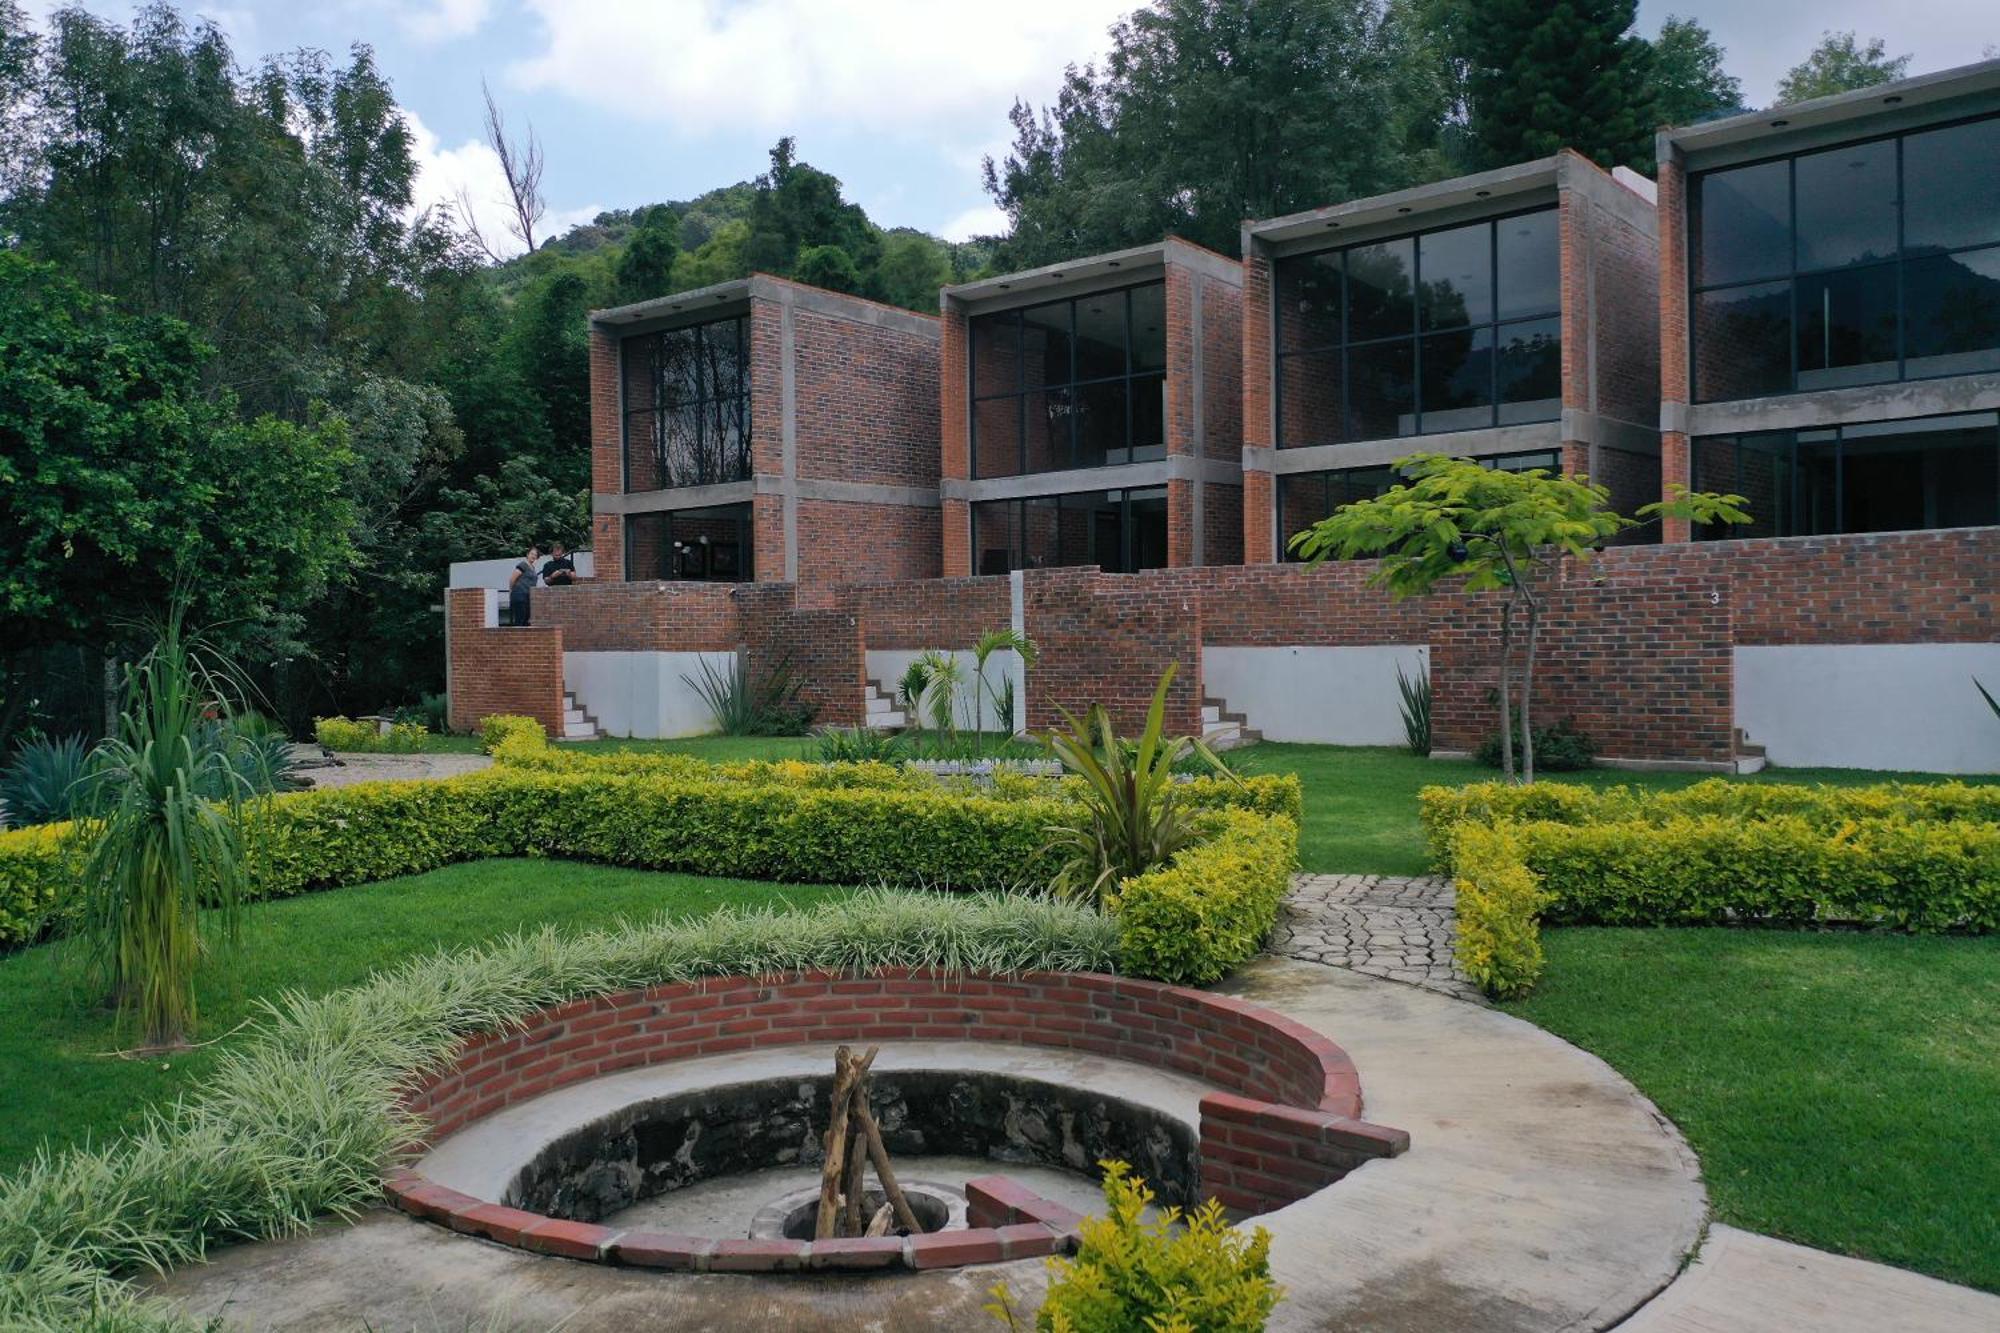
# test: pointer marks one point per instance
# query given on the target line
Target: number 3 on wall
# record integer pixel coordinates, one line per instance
(1714, 597)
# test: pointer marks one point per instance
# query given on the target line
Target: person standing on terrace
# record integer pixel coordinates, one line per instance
(524, 577)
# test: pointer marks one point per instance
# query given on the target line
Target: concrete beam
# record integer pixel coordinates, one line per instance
(1117, 476)
(681, 497)
(1838, 407)
(1376, 453)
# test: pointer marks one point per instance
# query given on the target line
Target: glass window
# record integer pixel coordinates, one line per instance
(1887, 266)
(687, 406)
(1473, 364)
(1304, 498)
(1877, 477)
(1117, 531)
(1742, 341)
(710, 545)
(1846, 200)
(1951, 186)
(1457, 268)
(1744, 227)
(1070, 383)
(1530, 264)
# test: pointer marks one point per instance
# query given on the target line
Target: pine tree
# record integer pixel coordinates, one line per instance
(1568, 74)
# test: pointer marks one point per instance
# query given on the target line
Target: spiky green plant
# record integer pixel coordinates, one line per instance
(989, 643)
(166, 851)
(1130, 820)
(1416, 710)
(1991, 702)
(47, 780)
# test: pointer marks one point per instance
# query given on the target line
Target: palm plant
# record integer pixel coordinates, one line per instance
(1131, 820)
(991, 642)
(166, 848)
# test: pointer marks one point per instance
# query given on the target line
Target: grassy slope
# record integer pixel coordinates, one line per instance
(1842, 1090)
(57, 1083)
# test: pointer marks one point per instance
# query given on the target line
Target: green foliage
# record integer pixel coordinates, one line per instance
(1499, 908)
(1991, 702)
(248, 1157)
(645, 269)
(828, 266)
(339, 733)
(1180, 1273)
(46, 781)
(1561, 748)
(1416, 705)
(995, 641)
(1195, 921)
(1689, 82)
(770, 704)
(847, 745)
(1132, 820)
(497, 729)
(1840, 64)
(1545, 77)
(165, 844)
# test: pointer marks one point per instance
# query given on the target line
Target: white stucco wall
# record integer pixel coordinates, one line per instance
(643, 695)
(1895, 706)
(887, 667)
(495, 573)
(1334, 696)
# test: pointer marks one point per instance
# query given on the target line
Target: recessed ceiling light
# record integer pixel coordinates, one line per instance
(1006, 286)
(1333, 224)
(1113, 263)
(1892, 99)
(1779, 124)
(1482, 193)
(1402, 210)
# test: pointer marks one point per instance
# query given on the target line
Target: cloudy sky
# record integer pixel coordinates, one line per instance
(643, 100)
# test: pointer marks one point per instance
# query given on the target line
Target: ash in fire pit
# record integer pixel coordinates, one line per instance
(793, 1216)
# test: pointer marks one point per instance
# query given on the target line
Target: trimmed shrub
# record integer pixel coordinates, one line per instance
(1196, 920)
(250, 1157)
(339, 733)
(37, 867)
(1499, 942)
(497, 729)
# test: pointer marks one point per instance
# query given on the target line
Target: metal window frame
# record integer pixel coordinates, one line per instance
(739, 399)
(1017, 507)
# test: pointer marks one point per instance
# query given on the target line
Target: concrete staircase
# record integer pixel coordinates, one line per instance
(1224, 730)
(578, 725)
(880, 710)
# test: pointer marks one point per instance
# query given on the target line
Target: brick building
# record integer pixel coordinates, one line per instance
(1509, 316)
(764, 430)
(1091, 414)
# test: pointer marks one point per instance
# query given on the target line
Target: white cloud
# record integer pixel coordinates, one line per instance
(914, 68)
(472, 171)
(443, 20)
(986, 220)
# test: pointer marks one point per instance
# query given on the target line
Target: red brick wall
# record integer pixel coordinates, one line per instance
(1222, 369)
(501, 670)
(843, 542)
(1258, 545)
(677, 616)
(1222, 524)
(929, 613)
(867, 405)
(1105, 638)
(1673, 342)
(821, 647)
(606, 460)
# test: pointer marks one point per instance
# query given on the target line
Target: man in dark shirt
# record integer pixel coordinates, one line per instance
(560, 569)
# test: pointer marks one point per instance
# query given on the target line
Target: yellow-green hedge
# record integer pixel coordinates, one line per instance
(497, 729)
(1500, 902)
(340, 733)
(1194, 921)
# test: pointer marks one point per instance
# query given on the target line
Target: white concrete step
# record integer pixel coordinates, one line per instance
(572, 716)
(1211, 715)
(579, 731)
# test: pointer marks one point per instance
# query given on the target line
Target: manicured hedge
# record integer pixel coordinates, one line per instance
(339, 733)
(1499, 943)
(36, 866)
(1195, 921)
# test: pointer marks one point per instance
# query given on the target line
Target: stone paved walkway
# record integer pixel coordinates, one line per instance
(1379, 925)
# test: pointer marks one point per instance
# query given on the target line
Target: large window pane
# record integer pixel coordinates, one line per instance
(1743, 226)
(1045, 344)
(1457, 271)
(1951, 304)
(1530, 273)
(1302, 502)
(1951, 186)
(996, 353)
(1100, 336)
(996, 537)
(1149, 417)
(1816, 483)
(1049, 415)
(1379, 293)
(996, 437)
(1893, 480)
(1457, 380)
(1100, 424)
(1149, 327)
(1764, 479)
(1530, 371)
(1309, 301)
(1742, 341)
(1847, 327)
(1310, 409)
(1146, 511)
(1847, 205)
(1041, 532)
(1381, 390)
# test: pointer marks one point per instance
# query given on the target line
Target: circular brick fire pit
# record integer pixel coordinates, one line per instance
(625, 1099)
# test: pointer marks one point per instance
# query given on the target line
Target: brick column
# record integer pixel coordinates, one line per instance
(607, 534)
(1180, 523)
(954, 431)
(957, 539)
(1259, 543)
(1675, 385)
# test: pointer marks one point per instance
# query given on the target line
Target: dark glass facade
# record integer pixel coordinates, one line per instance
(1858, 264)
(687, 406)
(1119, 531)
(1448, 330)
(1935, 472)
(712, 545)
(1079, 382)
(1304, 498)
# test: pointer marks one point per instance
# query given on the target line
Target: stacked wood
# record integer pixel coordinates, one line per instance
(853, 1143)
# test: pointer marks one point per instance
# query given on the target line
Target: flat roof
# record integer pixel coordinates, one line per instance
(1138, 260)
(1852, 110)
(1486, 189)
(735, 291)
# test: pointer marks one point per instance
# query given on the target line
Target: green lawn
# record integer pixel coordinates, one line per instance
(1842, 1090)
(58, 1084)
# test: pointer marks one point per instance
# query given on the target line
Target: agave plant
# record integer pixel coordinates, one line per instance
(166, 849)
(48, 780)
(1131, 820)
(1416, 710)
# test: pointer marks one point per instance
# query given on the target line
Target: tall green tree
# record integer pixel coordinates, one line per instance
(1841, 63)
(914, 266)
(1545, 76)
(799, 207)
(645, 268)
(828, 266)
(551, 341)
(1206, 112)
(1689, 81)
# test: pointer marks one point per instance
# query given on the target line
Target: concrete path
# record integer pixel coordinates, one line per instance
(1745, 1283)
(393, 767)
(1540, 1192)
(1377, 925)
